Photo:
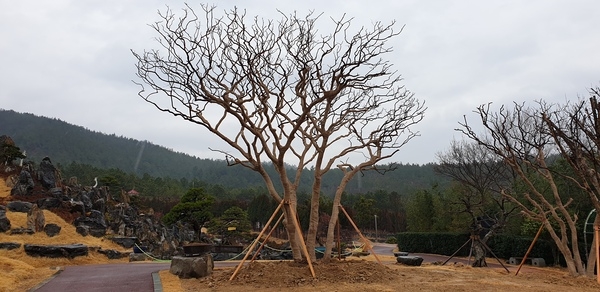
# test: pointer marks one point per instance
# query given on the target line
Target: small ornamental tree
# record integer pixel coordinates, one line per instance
(233, 222)
(194, 208)
(8, 151)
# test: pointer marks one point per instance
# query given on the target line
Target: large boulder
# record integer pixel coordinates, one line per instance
(138, 257)
(9, 245)
(95, 223)
(99, 205)
(47, 173)
(410, 260)
(192, 267)
(24, 185)
(4, 222)
(52, 229)
(85, 199)
(112, 254)
(126, 242)
(36, 219)
(82, 230)
(21, 230)
(48, 203)
(74, 206)
(56, 251)
(19, 206)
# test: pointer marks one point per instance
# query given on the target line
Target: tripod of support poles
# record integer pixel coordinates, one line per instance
(285, 204)
(472, 240)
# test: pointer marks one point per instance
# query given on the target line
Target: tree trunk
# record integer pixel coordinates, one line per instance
(574, 263)
(313, 224)
(335, 214)
(591, 261)
(292, 233)
(479, 254)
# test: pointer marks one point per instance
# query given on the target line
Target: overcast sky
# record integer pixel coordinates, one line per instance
(71, 60)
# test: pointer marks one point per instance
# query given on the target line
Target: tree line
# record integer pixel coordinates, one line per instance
(71, 146)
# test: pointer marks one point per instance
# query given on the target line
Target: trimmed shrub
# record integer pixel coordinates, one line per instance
(503, 246)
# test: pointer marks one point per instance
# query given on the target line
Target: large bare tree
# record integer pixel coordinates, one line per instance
(524, 138)
(575, 129)
(483, 177)
(281, 92)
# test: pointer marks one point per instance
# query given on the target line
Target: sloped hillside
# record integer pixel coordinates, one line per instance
(20, 271)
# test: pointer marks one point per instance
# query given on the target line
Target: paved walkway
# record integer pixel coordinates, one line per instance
(127, 277)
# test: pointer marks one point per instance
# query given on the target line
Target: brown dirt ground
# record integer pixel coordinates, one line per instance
(367, 275)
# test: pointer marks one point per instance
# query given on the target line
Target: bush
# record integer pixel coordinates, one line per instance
(391, 240)
(503, 246)
(430, 242)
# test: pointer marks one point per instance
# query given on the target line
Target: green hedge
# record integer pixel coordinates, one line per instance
(429, 242)
(506, 246)
(503, 246)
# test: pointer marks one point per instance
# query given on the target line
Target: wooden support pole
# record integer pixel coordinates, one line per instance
(494, 255)
(299, 233)
(339, 243)
(537, 235)
(597, 237)
(360, 234)
(268, 235)
(256, 241)
(470, 240)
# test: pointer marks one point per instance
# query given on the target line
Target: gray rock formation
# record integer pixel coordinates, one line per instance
(9, 245)
(24, 185)
(56, 251)
(126, 242)
(112, 254)
(192, 267)
(137, 257)
(21, 230)
(47, 173)
(4, 222)
(52, 229)
(410, 260)
(36, 219)
(19, 206)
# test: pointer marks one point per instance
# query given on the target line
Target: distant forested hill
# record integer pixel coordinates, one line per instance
(65, 143)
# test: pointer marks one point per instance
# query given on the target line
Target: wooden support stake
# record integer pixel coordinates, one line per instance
(339, 243)
(494, 255)
(265, 241)
(597, 236)
(256, 241)
(360, 234)
(470, 240)
(530, 248)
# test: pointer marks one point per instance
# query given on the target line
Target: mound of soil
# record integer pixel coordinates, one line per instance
(362, 275)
